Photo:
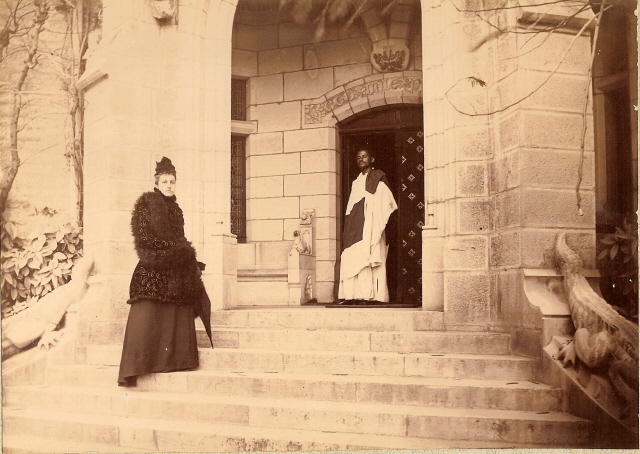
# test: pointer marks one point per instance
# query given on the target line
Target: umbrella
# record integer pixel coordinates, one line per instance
(205, 314)
(204, 311)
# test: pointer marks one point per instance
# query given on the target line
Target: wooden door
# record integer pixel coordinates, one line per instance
(411, 214)
(397, 142)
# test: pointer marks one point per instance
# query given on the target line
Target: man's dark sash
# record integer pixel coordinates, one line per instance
(354, 221)
(373, 178)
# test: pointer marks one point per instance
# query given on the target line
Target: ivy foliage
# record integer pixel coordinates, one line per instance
(35, 264)
(621, 284)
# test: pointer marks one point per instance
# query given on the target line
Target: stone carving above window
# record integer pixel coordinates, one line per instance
(165, 11)
(389, 59)
(390, 37)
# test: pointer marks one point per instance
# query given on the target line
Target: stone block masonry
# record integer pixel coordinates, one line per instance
(296, 96)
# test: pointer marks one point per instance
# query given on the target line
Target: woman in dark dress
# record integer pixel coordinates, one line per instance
(165, 289)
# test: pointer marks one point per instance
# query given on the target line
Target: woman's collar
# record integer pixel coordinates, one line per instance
(157, 191)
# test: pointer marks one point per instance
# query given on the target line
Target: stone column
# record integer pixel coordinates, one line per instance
(501, 159)
(148, 95)
(457, 150)
(121, 85)
(220, 245)
(535, 168)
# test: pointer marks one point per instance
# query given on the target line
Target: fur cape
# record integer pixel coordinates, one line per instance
(168, 270)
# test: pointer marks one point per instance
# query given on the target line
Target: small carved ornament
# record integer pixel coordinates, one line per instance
(389, 61)
(165, 10)
(299, 244)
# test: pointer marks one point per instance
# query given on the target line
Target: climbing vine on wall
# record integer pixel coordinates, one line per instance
(35, 264)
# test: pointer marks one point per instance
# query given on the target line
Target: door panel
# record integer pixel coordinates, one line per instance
(400, 154)
(411, 217)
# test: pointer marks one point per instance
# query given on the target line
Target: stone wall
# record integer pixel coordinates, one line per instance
(159, 89)
(294, 163)
(44, 179)
(504, 184)
(498, 187)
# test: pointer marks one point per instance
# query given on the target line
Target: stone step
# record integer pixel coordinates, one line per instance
(299, 318)
(436, 365)
(27, 444)
(321, 318)
(255, 416)
(462, 342)
(357, 341)
(521, 395)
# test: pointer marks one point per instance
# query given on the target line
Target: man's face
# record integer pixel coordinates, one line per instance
(364, 160)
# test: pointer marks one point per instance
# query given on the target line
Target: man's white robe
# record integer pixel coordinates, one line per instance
(363, 271)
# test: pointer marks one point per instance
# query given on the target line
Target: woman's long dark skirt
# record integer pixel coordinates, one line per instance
(159, 337)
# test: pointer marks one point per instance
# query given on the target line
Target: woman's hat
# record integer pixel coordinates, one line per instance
(164, 167)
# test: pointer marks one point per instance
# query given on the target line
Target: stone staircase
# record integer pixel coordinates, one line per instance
(298, 379)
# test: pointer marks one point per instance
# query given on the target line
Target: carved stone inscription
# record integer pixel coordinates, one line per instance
(314, 113)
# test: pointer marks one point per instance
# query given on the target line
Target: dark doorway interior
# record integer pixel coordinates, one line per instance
(395, 137)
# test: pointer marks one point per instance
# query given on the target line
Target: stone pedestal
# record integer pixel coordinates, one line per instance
(302, 261)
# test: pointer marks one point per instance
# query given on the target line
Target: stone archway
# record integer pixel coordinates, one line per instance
(356, 96)
(299, 88)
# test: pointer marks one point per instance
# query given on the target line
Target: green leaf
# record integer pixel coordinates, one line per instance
(614, 251)
(34, 263)
(22, 261)
(603, 254)
(39, 243)
(66, 265)
(11, 229)
(10, 279)
(6, 266)
(50, 247)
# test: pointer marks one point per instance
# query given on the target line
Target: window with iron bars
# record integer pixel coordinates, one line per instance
(238, 189)
(238, 160)
(238, 99)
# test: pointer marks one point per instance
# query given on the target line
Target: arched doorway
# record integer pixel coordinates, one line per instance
(395, 135)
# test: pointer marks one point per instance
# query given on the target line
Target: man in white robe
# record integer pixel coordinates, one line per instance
(363, 270)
